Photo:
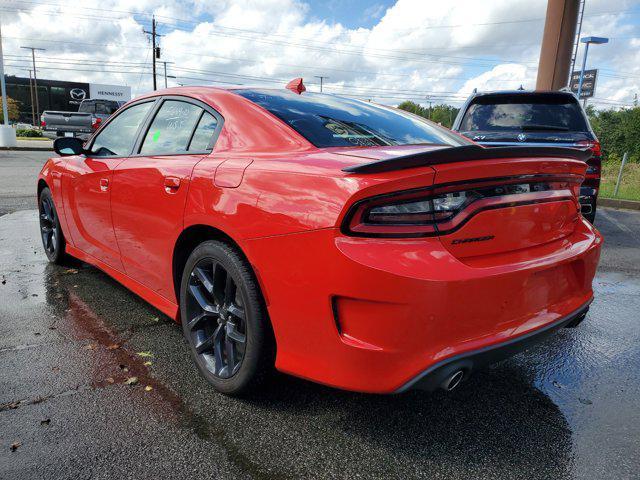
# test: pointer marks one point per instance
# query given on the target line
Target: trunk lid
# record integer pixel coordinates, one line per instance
(497, 200)
(525, 202)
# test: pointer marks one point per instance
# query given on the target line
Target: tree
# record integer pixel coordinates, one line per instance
(617, 131)
(12, 110)
(443, 114)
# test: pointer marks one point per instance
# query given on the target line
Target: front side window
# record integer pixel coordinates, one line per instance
(117, 138)
(171, 128)
(332, 121)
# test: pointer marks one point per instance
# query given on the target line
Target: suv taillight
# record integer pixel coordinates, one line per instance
(594, 163)
(95, 123)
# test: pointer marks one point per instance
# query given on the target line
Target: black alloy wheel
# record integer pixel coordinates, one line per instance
(224, 319)
(216, 318)
(50, 231)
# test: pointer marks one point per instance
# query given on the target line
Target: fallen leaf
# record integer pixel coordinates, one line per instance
(9, 406)
(14, 446)
(71, 270)
(156, 319)
(148, 364)
(131, 381)
(110, 380)
(145, 354)
(45, 422)
(148, 388)
(113, 346)
(91, 346)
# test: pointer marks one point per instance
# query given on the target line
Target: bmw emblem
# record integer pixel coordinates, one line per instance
(521, 137)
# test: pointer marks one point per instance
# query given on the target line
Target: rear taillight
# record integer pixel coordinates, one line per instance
(594, 163)
(442, 209)
(43, 123)
(95, 123)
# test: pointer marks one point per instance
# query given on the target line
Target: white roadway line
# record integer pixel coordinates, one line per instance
(618, 224)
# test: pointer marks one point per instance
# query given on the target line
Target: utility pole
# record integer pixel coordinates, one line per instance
(557, 44)
(35, 81)
(165, 73)
(321, 77)
(155, 50)
(574, 57)
(33, 104)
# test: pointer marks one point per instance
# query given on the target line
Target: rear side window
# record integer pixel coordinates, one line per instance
(203, 135)
(103, 108)
(87, 107)
(171, 128)
(331, 121)
(524, 112)
(118, 137)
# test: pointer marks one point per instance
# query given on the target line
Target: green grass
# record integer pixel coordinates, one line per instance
(629, 185)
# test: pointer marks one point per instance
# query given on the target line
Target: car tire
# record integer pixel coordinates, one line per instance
(224, 319)
(53, 240)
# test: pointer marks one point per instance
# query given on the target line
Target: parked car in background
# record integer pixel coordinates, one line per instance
(82, 123)
(498, 119)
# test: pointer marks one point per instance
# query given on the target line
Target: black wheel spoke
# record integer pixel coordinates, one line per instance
(234, 335)
(210, 342)
(198, 320)
(202, 300)
(230, 348)
(205, 278)
(236, 311)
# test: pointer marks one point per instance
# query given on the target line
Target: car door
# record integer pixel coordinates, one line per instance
(88, 179)
(150, 188)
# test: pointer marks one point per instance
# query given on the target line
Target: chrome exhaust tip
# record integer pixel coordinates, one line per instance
(453, 380)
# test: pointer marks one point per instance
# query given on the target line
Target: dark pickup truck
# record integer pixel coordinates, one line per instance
(499, 119)
(81, 123)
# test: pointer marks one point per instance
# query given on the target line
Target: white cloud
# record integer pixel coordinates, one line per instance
(417, 48)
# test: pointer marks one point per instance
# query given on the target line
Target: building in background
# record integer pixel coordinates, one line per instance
(60, 95)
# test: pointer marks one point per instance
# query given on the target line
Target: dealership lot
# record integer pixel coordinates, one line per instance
(72, 340)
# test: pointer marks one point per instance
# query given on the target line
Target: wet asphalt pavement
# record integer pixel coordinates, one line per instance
(70, 338)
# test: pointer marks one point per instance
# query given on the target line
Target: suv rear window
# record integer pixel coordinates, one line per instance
(524, 112)
(332, 121)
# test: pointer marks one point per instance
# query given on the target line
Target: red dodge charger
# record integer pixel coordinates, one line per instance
(345, 242)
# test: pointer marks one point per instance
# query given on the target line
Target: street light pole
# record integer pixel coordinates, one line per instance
(5, 110)
(7, 134)
(321, 77)
(35, 80)
(587, 41)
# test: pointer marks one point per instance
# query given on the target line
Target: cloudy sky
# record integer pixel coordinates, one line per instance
(389, 51)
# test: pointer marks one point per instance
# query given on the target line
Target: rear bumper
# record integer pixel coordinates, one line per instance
(373, 315)
(434, 376)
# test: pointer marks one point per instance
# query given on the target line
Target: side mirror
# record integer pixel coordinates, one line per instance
(65, 146)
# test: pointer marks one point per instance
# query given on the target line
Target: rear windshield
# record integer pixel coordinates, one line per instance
(331, 121)
(524, 112)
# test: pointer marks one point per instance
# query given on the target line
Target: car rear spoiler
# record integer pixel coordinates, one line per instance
(467, 153)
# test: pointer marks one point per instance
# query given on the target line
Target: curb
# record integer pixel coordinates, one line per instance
(617, 203)
(27, 149)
